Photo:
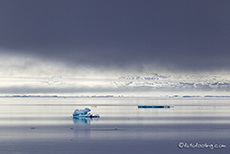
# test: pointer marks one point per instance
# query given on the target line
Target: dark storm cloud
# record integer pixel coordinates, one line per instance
(186, 34)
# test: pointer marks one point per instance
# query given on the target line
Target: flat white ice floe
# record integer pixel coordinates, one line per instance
(84, 113)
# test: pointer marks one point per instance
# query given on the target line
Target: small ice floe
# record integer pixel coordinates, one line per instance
(153, 106)
(84, 113)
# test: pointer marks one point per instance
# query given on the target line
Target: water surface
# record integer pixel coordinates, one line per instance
(45, 125)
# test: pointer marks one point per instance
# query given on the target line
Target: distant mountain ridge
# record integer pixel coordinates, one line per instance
(156, 81)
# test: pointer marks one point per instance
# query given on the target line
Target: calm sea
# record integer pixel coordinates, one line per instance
(45, 125)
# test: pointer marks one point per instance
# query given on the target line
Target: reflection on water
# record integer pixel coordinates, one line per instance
(82, 120)
(46, 125)
(78, 121)
(120, 118)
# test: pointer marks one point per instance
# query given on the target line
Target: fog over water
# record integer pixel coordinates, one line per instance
(111, 56)
(49, 41)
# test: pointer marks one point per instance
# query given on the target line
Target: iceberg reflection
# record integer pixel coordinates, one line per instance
(77, 120)
(82, 120)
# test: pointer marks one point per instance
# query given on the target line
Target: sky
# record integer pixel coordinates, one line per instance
(113, 37)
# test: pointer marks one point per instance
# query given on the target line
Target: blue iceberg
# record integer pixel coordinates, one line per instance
(84, 113)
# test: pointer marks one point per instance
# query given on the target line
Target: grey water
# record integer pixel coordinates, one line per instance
(46, 125)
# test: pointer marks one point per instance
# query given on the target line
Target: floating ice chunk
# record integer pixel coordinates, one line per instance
(155, 106)
(81, 113)
(89, 115)
(84, 114)
(96, 116)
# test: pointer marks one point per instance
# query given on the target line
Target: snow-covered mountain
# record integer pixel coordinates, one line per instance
(156, 81)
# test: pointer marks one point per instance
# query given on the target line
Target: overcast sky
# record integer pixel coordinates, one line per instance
(185, 35)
